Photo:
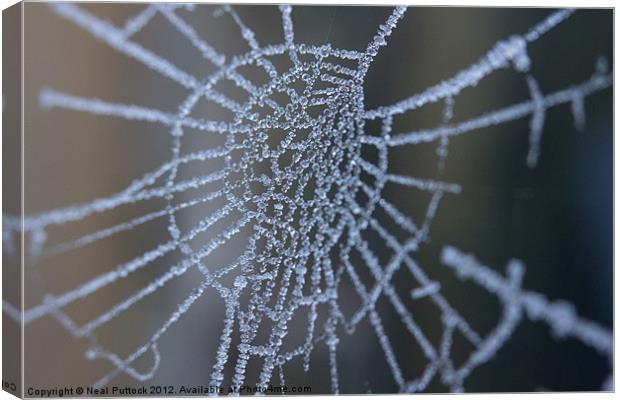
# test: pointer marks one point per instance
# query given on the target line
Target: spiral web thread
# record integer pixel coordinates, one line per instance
(294, 271)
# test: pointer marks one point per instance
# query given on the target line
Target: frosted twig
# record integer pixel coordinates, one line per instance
(559, 315)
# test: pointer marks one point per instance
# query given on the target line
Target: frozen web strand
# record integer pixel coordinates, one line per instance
(127, 226)
(116, 39)
(382, 284)
(135, 192)
(186, 30)
(75, 213)
(559, 315)
(250, 37)
(536, 123)
(135, 24)
(442, 149)
(50, 98)
(548, 24)
(493, 118)
(289, 35)
(504, 54)
(211, 280)
(123, 270)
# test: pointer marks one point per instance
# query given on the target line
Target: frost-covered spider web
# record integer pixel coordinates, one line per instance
(297, 194)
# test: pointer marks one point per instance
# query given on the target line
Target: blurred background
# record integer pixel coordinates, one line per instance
(556, 218)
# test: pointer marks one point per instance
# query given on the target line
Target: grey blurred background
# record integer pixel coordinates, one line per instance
(557, 218)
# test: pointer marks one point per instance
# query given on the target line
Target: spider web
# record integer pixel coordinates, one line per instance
(303, 205)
